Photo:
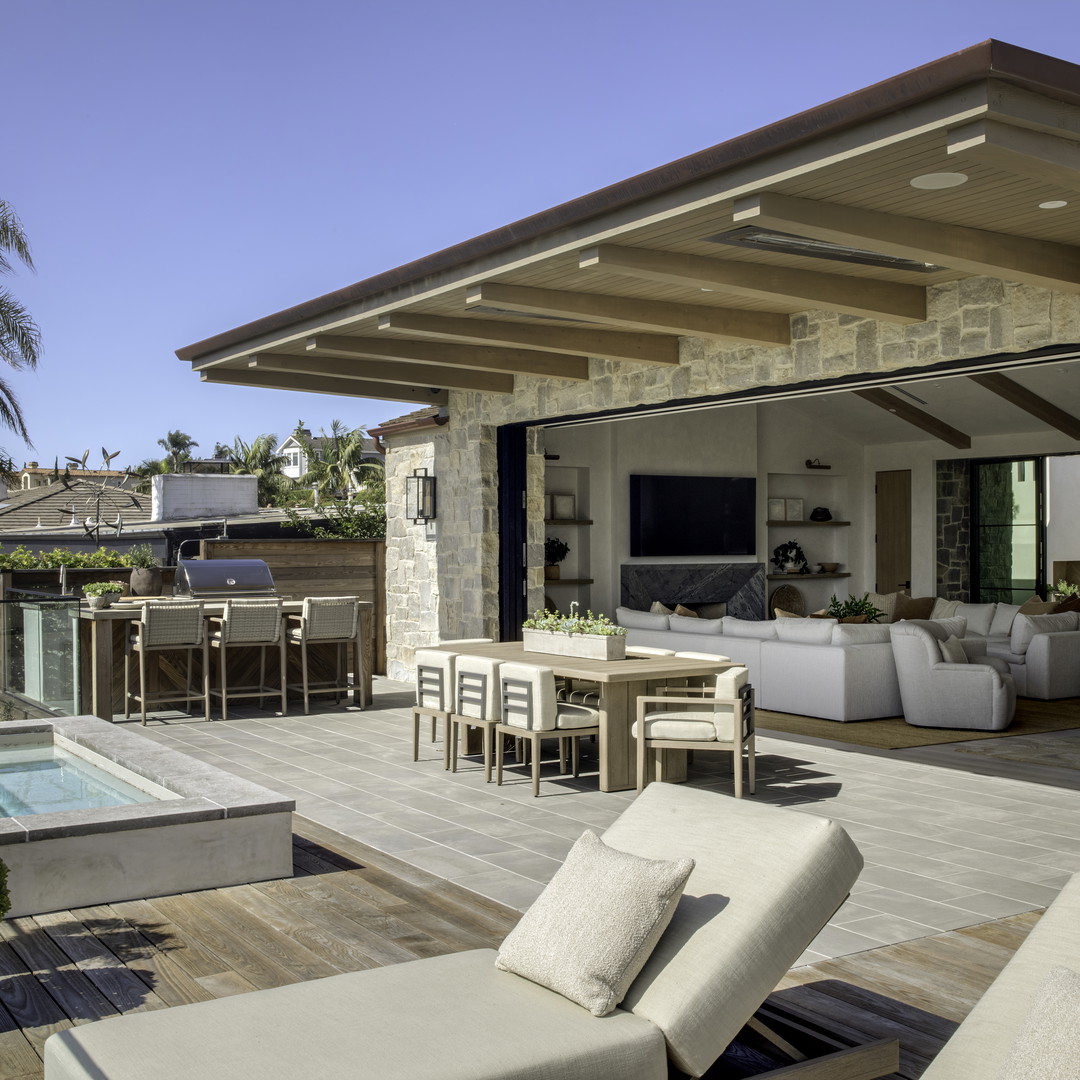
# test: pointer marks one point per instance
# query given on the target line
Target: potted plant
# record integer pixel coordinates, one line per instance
(854, 609)
(145, 571)
(593, 636)
(555, 550)
(789, 558)
(100, 594)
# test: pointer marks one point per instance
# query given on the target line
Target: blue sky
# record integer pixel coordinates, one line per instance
(185, 166)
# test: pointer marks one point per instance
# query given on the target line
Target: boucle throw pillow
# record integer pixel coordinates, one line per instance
(884, 602)
(912, 607)
(589, 933)
(1070, 603)
(780, 613)
(952, 651)
(1034, 605)
(1048, 1043)
(658, 608)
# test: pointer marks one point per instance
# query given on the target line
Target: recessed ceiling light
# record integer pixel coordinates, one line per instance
(935, 181)
(1053, 204)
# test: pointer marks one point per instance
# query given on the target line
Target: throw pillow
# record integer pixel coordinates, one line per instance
(589, 933)
(884, 602)
(1046, 1044)
(660, 609)
(912, 607)
(685, 612)
(780, 613)
(640, 620)
(1003, 619)
(980, 617)
(952, 651)
(712, 611)
(944, 609)
(1070, 603)
(1036, 606)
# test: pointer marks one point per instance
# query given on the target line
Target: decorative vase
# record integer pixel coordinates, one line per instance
(551, 572)
(146, 581)
(589, 646)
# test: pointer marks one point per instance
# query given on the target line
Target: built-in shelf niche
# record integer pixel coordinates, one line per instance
(570, 524)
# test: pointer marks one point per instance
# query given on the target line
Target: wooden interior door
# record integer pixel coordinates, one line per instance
(893, 530)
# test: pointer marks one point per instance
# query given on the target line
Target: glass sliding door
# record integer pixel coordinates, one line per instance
(1008, 529)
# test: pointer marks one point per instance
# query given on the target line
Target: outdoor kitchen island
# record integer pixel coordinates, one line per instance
(103, 635)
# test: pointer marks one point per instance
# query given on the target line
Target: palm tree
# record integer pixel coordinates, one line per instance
(259, 458)
(20, 339)
(177, 447)
(146, 470)
(336, 468)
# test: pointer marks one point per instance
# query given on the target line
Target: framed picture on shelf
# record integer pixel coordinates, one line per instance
(776, 510)
(562, 507)
(793, 509)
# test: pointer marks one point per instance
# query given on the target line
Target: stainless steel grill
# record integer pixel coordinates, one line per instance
(218, 579)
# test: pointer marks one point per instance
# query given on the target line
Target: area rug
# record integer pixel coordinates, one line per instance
(1052, 750)
(892, 733)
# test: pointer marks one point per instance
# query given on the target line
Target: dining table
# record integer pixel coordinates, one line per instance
(106, 630)
(621, 683)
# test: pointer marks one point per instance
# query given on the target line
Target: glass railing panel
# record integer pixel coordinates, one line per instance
(39, 658)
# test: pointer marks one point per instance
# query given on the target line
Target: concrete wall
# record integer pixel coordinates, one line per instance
(182, 496)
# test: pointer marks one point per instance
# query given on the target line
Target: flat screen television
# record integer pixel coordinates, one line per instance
(692, 515)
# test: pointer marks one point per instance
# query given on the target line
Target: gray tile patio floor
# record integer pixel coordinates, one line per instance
(950, 838)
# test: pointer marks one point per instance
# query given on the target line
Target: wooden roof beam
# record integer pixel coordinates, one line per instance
(423, 375)
(1021, 151)
(915, 416)
(318, 384)
(1044, 263)
(604, 344)
(1029, 401)
(695, 320)
(509, 361)
(799, 288)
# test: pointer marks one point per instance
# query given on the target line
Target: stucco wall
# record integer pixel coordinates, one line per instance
(443, 581)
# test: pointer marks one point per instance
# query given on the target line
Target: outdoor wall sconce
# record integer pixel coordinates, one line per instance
(815, 463)
(420, 497)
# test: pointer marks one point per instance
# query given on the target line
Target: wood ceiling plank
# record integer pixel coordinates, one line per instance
(606, 344)
(1029, 401)
(422, 375)
(316, 384)
(732, 324)
(800, 288)
(1033, 154)
(509, 361)
(1043, 263)
(915, 416)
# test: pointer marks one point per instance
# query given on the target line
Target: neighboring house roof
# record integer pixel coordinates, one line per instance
(55, 505)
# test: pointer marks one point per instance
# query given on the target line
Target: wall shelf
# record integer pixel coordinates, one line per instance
(567, 521)
(809, 524)
(567, 581)
(804, 577)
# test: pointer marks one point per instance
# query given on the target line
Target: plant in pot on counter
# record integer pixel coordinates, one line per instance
(145, 571)
(102, 593)
(555, 550)
(854, 609)
(789, 559)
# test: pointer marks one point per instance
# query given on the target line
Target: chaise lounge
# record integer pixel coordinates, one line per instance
(765, 880)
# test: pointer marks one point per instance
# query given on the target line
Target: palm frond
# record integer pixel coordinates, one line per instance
(20, 339)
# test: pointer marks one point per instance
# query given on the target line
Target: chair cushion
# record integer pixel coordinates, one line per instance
(575, 716)
(591, 930)
(1025, 627)
(640, 620)
(952, 650)
(679, 725)
(1048, 1044)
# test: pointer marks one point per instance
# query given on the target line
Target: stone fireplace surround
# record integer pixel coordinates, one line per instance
(741, 586)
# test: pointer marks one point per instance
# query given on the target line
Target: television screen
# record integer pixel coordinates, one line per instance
(693, 515)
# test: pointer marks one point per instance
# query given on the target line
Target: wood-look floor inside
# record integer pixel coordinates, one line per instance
(350, 907)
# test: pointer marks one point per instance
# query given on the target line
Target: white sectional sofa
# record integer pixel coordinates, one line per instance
(814, 667)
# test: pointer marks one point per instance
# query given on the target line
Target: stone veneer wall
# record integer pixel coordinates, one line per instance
(954, 529)
(453, 589)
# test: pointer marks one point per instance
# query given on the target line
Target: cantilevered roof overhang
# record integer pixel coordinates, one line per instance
(622, 273)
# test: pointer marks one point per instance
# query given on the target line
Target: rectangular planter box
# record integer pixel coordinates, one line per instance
(589, 646)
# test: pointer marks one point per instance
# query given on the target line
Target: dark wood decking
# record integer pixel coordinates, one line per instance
(349, 907)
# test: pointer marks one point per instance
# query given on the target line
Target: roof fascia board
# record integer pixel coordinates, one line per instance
(277, 331)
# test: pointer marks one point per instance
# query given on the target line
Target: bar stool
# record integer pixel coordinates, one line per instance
(250, 624)
(531, 711)
(328, 620)
(165, 627)
(434, 696)
(477, 703)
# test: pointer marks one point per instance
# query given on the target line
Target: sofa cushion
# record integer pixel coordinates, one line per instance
(944, 609)
(1035, 605)
(686, 625)
(1048, 1043)
(807, 631)
(1002, 651)
(1025, 627)
(979, 617)
(1003, 619)
(752, 628)
(885, 602)
(952, 650)
(855, 634)
(913, 607)
(589, 933)
(640, 620)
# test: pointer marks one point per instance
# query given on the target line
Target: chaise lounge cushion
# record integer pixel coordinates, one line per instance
(593, 927)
